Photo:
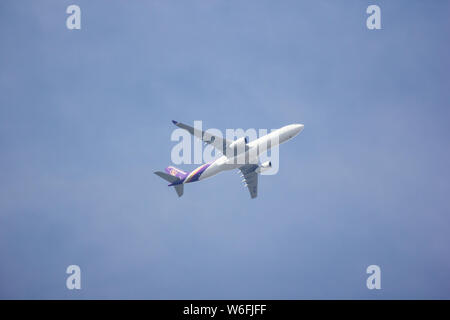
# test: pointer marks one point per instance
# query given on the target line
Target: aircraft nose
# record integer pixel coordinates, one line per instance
(298, 128)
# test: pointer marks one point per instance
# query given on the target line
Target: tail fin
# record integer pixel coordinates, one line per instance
(179, 188)
(176, 172)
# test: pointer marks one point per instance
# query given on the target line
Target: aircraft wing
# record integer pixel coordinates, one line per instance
(250, 178)
(217, 142)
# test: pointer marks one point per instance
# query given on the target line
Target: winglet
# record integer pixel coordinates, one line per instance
(174, 122)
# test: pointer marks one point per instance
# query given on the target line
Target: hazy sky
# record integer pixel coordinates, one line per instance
(85, 120)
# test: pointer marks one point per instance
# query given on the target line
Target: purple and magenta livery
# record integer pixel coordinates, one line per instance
(186, 177)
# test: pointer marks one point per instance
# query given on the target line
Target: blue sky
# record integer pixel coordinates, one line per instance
(85, 120)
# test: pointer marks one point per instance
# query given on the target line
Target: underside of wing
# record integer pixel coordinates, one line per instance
(217, 142)
(250, 178)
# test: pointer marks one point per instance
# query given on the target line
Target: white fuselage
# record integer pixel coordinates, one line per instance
(254, 150)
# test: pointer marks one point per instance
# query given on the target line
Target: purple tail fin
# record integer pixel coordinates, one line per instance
(176, 172)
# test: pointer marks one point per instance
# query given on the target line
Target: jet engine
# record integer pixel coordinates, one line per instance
(239, 145)
(264, 167)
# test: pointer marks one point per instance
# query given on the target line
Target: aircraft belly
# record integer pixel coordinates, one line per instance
(210, 171)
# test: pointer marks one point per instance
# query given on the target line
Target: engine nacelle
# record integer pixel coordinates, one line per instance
(264, 167)
(239, 145)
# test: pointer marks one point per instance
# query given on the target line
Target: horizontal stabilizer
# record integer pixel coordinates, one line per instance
(179, 188)
(167, 176)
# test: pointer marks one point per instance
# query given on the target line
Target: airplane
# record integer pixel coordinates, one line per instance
(238, 154)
